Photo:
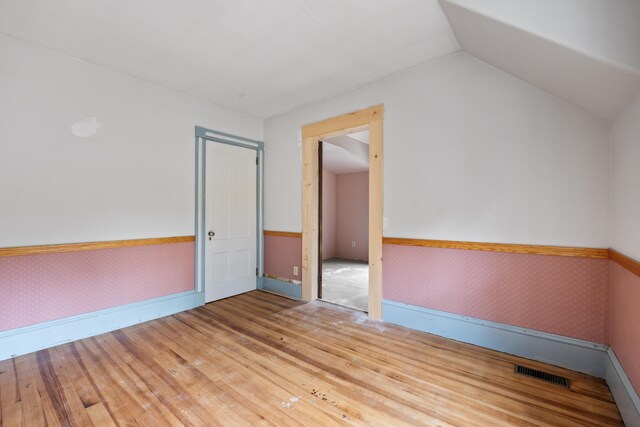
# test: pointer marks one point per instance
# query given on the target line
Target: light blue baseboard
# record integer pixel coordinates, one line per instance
(281, 287)
(624, 394)
(44, 335)
(578, 355)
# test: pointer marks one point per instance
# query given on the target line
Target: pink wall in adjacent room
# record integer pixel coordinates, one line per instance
(280, 255)
(625, 320)
(40, 288)
(352, 215)
(328, 214)
(566, 296)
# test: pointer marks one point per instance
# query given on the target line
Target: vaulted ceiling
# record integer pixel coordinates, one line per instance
(586, 52)
(265, 57)
(346, 153)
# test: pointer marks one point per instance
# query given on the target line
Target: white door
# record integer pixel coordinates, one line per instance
(230, 221)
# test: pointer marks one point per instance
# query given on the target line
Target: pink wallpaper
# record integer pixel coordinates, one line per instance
(39, 288)
(352, 215)
(328, 214)
(281, 254)
(561, 295)
(625, 320)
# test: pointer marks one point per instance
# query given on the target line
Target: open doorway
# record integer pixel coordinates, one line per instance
(370, 119)
(344, 220)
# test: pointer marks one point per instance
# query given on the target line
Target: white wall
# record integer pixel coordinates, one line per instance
(625, 182)
(133, 179)
(470, 153)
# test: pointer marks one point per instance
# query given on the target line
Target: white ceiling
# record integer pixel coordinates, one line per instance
(561, 60)
(346, 153)
(262, 57)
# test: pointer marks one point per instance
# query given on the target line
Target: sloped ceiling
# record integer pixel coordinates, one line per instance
(262, 57)
(346, 153)
(586, 52)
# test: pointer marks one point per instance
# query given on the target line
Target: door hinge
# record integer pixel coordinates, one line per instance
(256, 271)
(257, 161)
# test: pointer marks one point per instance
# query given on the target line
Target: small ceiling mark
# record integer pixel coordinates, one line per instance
(86, 128)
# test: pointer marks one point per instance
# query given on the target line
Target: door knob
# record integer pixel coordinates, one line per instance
(211, 234)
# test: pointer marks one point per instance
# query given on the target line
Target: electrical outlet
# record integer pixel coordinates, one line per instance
(295, 270)
(353, 244)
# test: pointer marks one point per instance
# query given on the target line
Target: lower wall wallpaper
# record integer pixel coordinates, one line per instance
(281, 254)
(566, 296)
(625, 320)
(44, 287)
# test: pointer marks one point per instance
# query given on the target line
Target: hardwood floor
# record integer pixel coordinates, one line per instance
(259, 359)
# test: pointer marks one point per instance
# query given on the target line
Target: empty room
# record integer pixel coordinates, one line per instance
(380, 213)
(344, 220)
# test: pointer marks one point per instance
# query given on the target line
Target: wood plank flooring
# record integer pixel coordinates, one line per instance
(259, 359)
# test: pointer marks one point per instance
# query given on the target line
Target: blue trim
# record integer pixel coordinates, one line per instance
(204, 133)
(575, 354)
(44, 335)
(624, 394)
(281, 287)
(199, 218)
(260, 178)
